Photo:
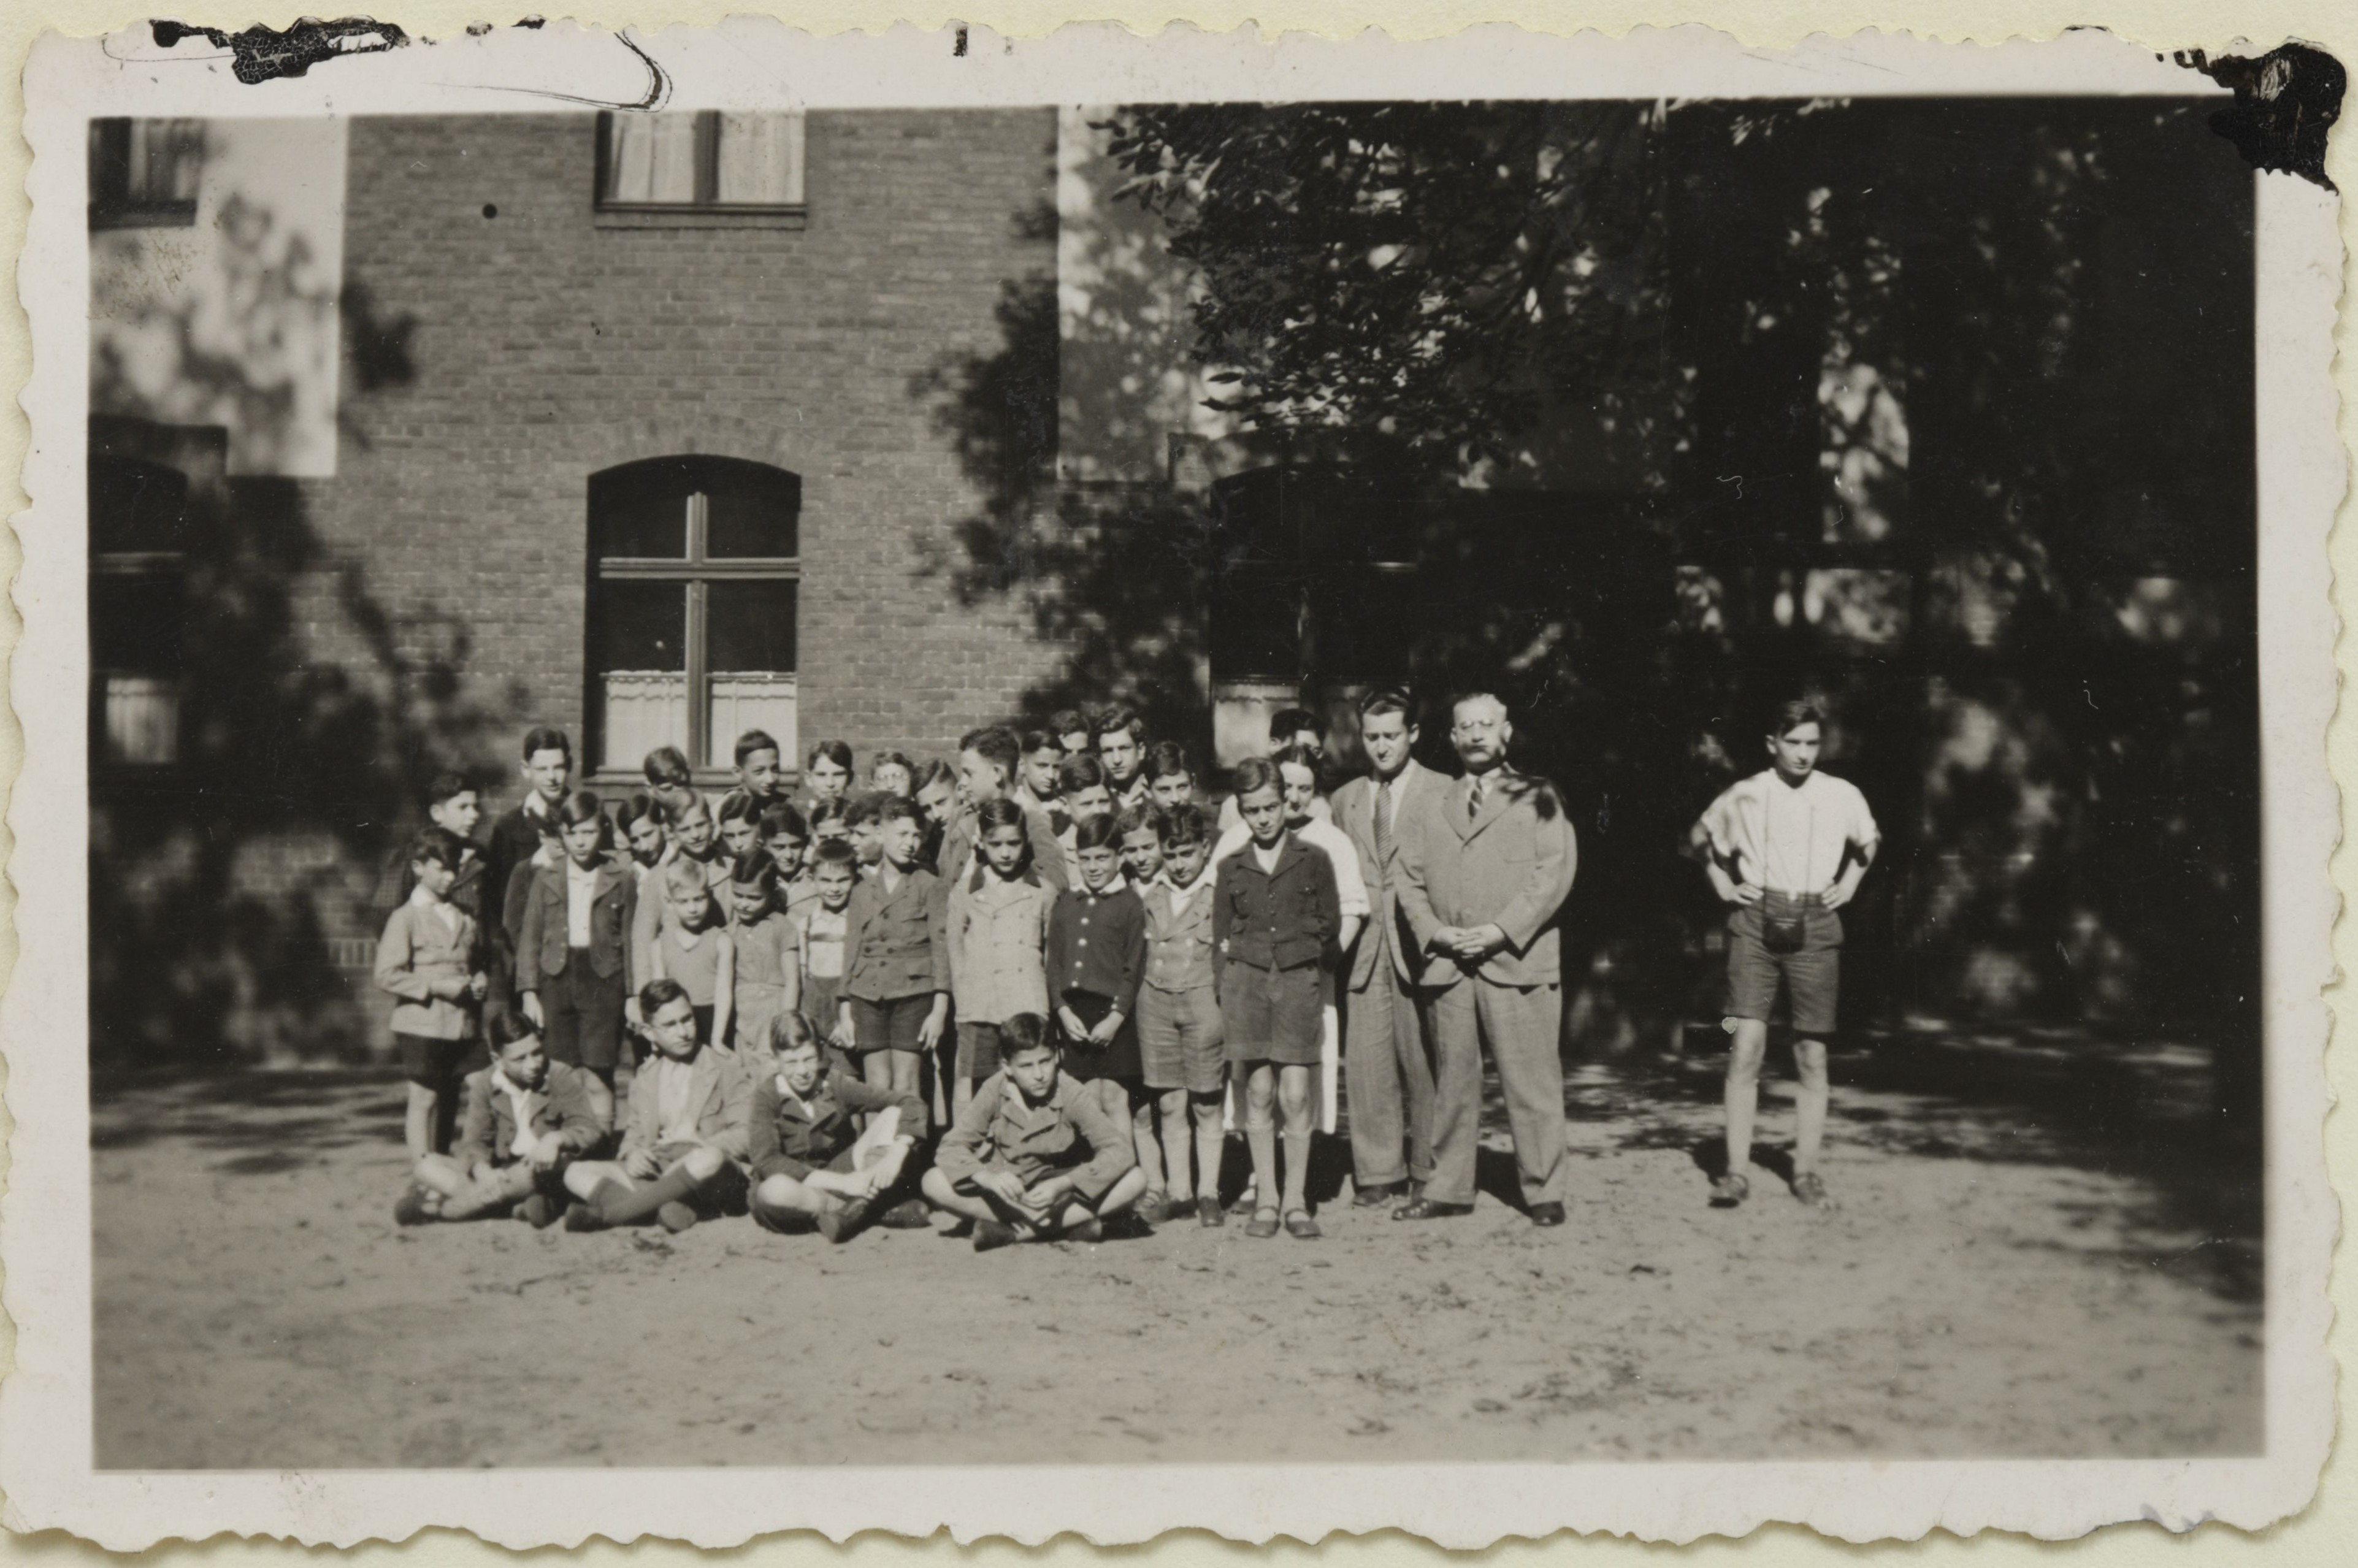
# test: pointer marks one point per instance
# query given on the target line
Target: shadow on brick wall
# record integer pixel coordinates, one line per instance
(235, 891)
(1117, 577)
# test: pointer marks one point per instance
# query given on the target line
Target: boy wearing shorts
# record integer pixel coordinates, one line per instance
(896, 966)
(1785, 850)
(1179, 1034)
(429, 959)
(1036, 1154)
(812, 1169)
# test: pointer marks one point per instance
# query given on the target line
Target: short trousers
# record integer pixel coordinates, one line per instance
(1812, 977)
(889, 1025)
(823, 1002)
(978, 1046)
(1117, 1058)
(1274, 1015)
(582, 1010)
(1180, 1039)
(431, 1063)
(1032, 1172)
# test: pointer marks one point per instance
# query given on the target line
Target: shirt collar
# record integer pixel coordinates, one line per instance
(424, 900)
(982, 878)
(1204, 878)
(808, 1102)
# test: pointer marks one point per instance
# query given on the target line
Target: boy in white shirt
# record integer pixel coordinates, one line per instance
(1785, 850)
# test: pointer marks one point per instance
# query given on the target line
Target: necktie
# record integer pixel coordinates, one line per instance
(1474, 796)
(1384, 828)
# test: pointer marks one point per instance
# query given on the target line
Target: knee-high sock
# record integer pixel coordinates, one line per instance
(1262, 1141)
(617, 1207)
(1297, 1171)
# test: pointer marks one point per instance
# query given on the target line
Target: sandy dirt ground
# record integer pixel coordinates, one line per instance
(2041, 1248)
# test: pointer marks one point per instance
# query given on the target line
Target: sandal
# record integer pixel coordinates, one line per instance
(1301, 1226)
(1261, 1229)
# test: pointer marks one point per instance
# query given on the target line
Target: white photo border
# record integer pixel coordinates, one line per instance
(46, 1448)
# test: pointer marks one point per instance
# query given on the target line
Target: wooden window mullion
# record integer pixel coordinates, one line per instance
(699, 710)
(708, 158)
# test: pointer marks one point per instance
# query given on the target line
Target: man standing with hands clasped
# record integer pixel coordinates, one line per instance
(1484, 866)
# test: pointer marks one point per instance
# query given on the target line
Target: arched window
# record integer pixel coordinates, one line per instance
(694, 562)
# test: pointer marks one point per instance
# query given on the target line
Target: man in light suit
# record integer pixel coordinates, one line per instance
(1483, 870)
(1385, 1057)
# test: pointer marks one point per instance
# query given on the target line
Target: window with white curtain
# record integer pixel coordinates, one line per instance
(696, 567)
(707, 160)
(138, 527)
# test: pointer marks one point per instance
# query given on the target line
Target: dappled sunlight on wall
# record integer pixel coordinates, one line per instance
(233, 319)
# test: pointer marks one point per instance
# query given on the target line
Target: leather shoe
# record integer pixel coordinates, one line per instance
(1376, 1195)
(1547, 1213)
(1429, 1208)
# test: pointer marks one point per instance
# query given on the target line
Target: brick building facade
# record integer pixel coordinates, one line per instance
(501, 336)
(378, 406)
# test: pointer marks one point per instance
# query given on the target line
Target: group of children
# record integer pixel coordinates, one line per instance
(1015, 996)
(1008, 995)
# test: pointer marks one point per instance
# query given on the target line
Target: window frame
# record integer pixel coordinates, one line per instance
(111, 208)
(694, 571)
(168, 568)
(706, 212)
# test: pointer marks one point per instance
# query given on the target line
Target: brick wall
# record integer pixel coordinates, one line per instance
(427, 603)
(543, 348)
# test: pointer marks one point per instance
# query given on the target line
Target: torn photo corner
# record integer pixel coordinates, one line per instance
(1683, 688)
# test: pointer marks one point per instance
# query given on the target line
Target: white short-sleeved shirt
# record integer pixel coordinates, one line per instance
(1785, 838)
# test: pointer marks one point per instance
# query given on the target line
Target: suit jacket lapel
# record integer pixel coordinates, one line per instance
(706, 1082)
(1454, 807)
(1414, 781)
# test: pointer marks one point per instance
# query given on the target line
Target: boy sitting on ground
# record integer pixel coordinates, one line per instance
(686, 1130)
(1037, 1155)
(810, 1170)
(527, 1120)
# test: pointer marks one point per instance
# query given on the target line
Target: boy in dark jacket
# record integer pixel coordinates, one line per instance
(1036, 1154)
(1277, 918)
(896, 966)
(811, 1169)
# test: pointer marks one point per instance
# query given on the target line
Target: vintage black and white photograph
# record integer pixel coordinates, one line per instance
(1459, 776)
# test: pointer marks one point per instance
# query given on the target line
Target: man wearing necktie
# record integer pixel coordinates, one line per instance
(1385, 1061)
(1483, 871)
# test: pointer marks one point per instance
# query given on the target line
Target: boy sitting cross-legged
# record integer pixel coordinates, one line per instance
(1035, 1154)
(686, 1130)
(810, 1170)
(527, 1120)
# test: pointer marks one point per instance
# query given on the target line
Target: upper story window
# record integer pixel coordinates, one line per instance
(143, 173)
(138, 526)
(694, 572)
(702, 165)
